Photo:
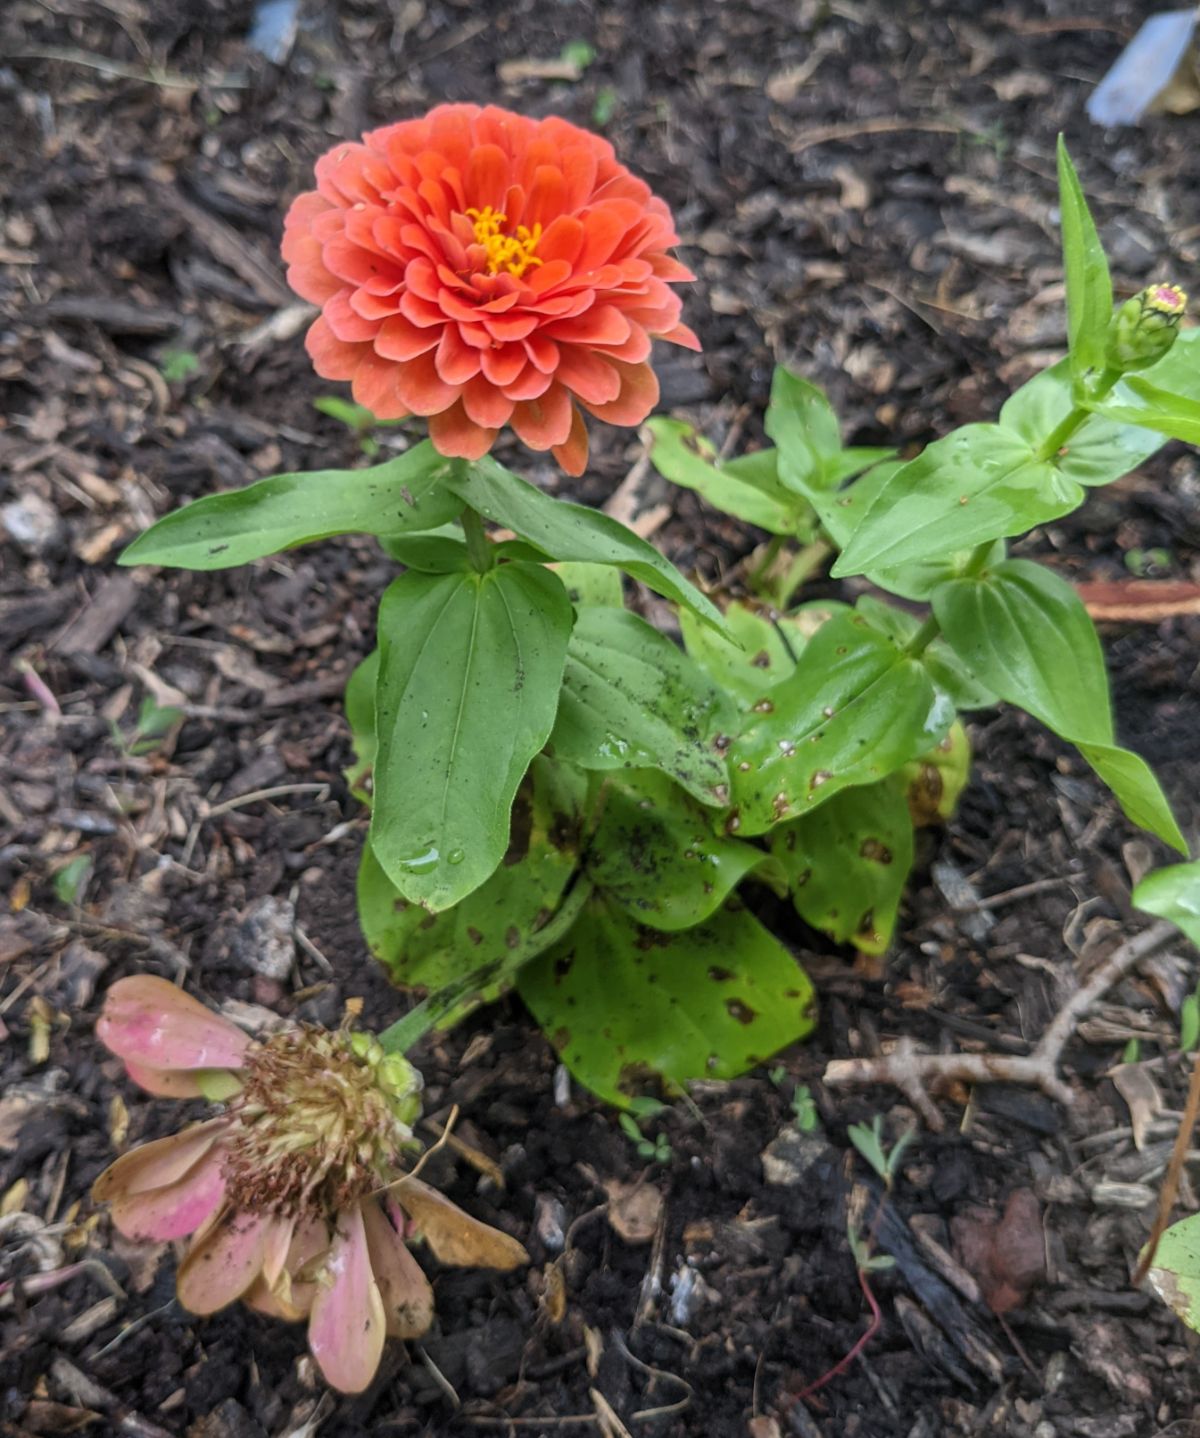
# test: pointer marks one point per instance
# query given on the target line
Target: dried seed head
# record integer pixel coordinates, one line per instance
(322, 1119)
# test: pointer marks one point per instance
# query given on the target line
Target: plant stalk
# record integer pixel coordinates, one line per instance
(479, 550)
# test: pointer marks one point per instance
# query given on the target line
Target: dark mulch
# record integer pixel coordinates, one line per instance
(914, 272)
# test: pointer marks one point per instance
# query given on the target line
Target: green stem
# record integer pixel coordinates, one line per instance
(479, 551)
(430, 1012)
(1052, 445)
(803, 566)
(770, 554)
(930, 630)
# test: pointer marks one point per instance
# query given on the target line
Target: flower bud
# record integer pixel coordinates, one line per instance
(1144, 328)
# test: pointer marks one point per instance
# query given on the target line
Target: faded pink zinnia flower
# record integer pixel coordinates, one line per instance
(293, 1196)
(483, 269)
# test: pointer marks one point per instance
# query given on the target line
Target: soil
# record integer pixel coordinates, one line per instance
(867, 190)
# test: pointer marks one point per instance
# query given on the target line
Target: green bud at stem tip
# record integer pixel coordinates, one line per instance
(1144, 328)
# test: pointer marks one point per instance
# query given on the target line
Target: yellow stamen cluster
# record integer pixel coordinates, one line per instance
(1166, 300)
(513, 253)
(321, 1120)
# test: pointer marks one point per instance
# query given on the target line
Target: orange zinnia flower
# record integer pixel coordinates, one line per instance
(483, 269)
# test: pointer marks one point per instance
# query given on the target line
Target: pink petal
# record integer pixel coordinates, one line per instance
(348, 1325)
(224, 1262)
(407, 1296)
(178, 1209)
(150, 1022)
(154, 1165)
(288, 1295)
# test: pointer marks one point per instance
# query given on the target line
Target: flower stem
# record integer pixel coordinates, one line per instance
(1052, 445)
(479, 550)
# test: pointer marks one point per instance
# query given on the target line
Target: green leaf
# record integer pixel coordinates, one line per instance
(222, 530)
(571, 532)
(1098, 452)
(469, 677)
(592, 584)
(1189, 1023)
(763, 650)
(502, 924)
(947, 670)
(980, 483)
(1175, 1274)
(1089, 288)
(632, 700)
(625, 1006)
(71, 880)
(847, 863)
(654, 854)
(1026, 634)
(1173, 893)
(855, 710)
(1175, 415)
(802, 423)
(748, 488)
(1137, 790)
(430, 553)
(360, 715)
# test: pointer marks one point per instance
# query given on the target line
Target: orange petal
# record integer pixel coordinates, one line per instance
(421, 389)
(399, 339)
(587, 375)
(457, 436)
(639, 395)
(457, 361)
(332, 358)
(682, 335)
(376, 386)
(573, 455)
(485, 404)
(544, 422)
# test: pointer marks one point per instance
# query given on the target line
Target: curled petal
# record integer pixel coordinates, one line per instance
(454, 1236)
(407, 1296)
(455, 434)
(177, 1209)
(347, 1324)
(150, 1022)
(159, 1163)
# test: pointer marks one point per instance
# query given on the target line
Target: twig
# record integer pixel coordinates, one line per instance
(854, 129)
(1166, 1194)
(911, 1071)
(239, 801)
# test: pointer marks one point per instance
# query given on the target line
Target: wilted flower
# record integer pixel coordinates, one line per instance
(484, 269)
(1144, 327)
(294, 1195)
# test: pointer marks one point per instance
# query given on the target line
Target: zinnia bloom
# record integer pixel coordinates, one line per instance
(484, 269)
(293, 1195)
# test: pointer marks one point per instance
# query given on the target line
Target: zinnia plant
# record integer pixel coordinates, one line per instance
(562, 798)
(295, 1197)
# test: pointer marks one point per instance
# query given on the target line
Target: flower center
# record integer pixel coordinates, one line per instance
(321, 1121)
(1167, 300)
(513, 253)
